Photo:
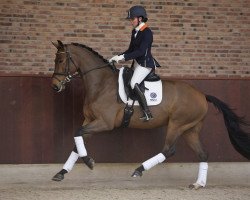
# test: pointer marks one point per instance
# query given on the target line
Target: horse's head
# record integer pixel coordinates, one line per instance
(65, 68)
(84, 61)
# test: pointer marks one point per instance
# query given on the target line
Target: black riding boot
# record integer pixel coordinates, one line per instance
(143, 103)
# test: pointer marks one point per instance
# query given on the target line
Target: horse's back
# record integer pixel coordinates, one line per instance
(184, 100)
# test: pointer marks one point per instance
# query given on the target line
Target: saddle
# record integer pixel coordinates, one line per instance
(151, 87)
(127, 75)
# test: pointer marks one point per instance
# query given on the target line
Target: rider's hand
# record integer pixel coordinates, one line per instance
(116, 58)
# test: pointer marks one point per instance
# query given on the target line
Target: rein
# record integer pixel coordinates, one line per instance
(101, 67)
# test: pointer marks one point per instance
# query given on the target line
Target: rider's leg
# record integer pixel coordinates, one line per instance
(143, 102)
(139, 75)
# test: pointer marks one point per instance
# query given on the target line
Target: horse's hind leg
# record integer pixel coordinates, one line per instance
(173, 133)
(192, 138)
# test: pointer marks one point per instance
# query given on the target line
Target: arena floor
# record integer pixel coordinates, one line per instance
(226, 181)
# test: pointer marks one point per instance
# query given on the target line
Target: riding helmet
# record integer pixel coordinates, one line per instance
(136, 11)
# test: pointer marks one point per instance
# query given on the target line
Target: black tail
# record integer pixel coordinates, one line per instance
(239, 139)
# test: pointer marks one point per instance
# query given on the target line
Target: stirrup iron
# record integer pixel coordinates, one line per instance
(146, 116)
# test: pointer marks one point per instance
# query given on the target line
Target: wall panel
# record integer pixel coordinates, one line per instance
(37, 125)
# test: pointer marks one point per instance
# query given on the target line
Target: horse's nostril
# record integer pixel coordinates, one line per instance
(55, 87)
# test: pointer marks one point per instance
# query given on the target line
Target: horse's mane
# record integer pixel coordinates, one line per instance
(91, 50)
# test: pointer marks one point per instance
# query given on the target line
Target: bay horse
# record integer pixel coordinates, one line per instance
(182, 110)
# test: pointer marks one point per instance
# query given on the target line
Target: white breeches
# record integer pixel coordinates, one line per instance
(139, 74)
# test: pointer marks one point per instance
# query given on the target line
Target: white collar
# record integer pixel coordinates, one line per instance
(139, 27)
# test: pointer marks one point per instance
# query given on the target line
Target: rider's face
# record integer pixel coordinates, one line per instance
(134, 22)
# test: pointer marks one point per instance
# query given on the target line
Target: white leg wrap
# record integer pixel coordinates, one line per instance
(80, 146)
(202, 175)
(159, 158)
(71, 161)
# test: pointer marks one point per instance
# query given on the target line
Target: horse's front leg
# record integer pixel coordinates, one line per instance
(80, 149)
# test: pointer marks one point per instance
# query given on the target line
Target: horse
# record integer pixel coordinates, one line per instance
(182, 110)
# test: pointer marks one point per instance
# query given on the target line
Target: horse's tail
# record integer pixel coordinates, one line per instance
(238, 137)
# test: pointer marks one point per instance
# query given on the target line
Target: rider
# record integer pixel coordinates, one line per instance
(140, 52)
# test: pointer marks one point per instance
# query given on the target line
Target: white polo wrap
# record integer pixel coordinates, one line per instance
(71, 161)
(202, 175)
(80, 146)
(159, 158)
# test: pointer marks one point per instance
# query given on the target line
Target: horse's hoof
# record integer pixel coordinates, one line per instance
(195, 186)
(58, 177)
(89, 162)
(136, 174)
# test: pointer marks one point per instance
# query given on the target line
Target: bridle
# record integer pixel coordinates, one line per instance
(66, 73)
(78, 73)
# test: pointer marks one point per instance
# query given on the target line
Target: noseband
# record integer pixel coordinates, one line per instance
(77, 73)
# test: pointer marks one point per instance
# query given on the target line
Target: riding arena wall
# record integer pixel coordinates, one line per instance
(205, 43)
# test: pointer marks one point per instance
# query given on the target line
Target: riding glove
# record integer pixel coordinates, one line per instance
(116, 58)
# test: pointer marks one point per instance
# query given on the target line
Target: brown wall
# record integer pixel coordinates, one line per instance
(37, 125)
(195, 38)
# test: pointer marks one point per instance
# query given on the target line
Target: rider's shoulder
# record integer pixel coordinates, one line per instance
(147, 30)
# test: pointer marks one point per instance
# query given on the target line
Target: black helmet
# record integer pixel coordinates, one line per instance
(136, 11)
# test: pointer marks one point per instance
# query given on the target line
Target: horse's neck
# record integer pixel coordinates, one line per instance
(97, 81)
(97, 78)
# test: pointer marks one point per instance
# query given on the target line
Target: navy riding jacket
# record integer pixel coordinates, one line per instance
(140, 48)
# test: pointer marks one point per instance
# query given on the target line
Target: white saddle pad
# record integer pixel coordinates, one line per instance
(153, 95)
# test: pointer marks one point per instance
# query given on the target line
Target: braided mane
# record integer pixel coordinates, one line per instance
(91, 50)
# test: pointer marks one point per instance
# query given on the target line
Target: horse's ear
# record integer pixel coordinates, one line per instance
(55, 44)
(60, 44)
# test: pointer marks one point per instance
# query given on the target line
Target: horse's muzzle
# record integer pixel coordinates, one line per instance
(57, 88)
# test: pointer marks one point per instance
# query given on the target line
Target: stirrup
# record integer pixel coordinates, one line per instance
(146, 116)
